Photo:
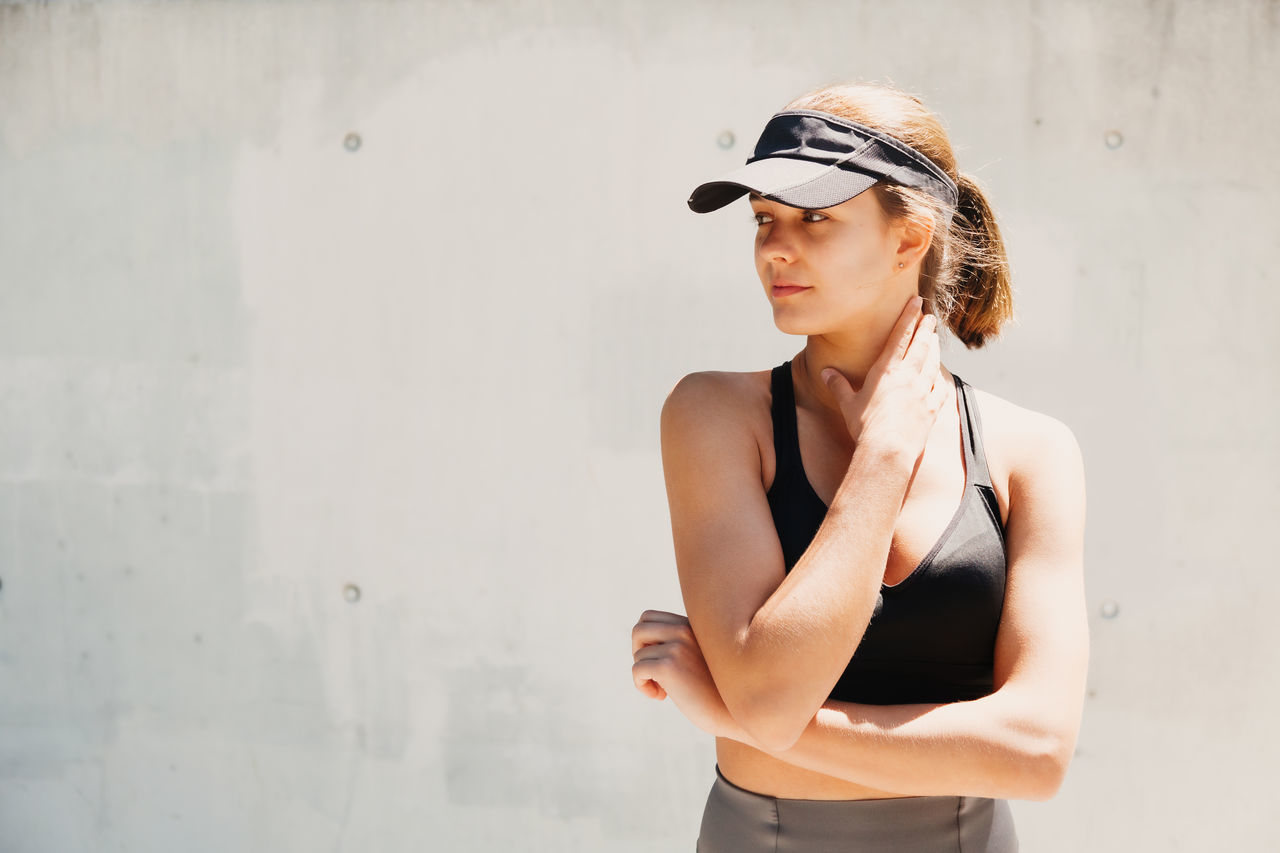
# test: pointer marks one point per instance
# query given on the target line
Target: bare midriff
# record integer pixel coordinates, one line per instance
(749, 768)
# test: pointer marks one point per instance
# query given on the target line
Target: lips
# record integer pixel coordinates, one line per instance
(786, 288)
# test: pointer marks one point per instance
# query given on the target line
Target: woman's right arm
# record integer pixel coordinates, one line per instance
(776, 642)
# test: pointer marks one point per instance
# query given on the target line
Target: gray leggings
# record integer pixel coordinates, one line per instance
(736, 820)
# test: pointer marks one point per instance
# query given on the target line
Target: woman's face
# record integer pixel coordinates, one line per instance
(844, 257)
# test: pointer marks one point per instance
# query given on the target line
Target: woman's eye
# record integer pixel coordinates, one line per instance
(816, 217)
(761, 219)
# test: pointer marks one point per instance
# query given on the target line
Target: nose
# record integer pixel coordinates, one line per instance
(777, 243)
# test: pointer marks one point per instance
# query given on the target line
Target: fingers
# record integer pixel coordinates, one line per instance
(933, 358)
(663, 616)
(938, 396)
(925, 355)
(924, 345)
(650, 668)
(840, 387)
(903, 331)
(659, 626)
(655, 628)
(644, 673)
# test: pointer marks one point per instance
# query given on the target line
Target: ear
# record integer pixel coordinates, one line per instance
(912, 242)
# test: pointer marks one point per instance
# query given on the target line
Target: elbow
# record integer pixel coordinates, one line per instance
(1043, 767)
(1038, 747)
(772, 709)
(774, 729)
(772, 738)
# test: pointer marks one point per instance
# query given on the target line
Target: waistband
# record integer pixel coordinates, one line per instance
(736, 818)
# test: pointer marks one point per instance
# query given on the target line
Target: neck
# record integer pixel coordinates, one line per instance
(852, 355)
(851, 350)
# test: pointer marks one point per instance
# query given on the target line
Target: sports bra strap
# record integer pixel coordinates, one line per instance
(975, 459)
(786, 440)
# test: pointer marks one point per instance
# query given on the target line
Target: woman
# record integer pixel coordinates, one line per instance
(886, 625)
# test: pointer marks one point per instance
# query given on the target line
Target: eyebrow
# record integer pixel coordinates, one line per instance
(755, 196)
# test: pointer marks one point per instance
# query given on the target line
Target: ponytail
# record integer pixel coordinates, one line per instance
(981, 288)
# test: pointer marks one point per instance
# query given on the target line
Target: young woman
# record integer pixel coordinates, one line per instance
(886, 624)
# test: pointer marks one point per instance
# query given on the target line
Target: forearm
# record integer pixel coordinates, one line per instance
(802, 637)
(988, 747)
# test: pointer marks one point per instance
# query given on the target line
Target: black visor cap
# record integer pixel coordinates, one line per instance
(812, 160)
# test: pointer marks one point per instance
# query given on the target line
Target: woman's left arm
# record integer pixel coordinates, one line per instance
(1016, 742)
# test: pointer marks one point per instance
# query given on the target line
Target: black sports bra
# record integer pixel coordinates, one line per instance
(932, 635)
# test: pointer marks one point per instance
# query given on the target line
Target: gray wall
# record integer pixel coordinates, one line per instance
(243, 367)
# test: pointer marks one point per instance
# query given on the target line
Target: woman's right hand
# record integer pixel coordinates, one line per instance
(897, 405)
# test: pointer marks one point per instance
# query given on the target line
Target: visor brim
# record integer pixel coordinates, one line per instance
(788, 180)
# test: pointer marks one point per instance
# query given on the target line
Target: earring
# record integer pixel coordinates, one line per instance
(900, 264)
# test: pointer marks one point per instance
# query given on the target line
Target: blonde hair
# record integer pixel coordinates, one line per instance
(964, 277)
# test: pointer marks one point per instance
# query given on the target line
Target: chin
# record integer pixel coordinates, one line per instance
(791, 325)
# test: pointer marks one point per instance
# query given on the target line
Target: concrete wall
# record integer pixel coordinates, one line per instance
(329, 474)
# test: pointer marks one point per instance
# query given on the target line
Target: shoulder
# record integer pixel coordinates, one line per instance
(1021, 433)
(1030, 452)
(718, 406)
(720, 396)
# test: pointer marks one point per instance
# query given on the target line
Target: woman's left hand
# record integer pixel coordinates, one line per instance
(669, 662)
